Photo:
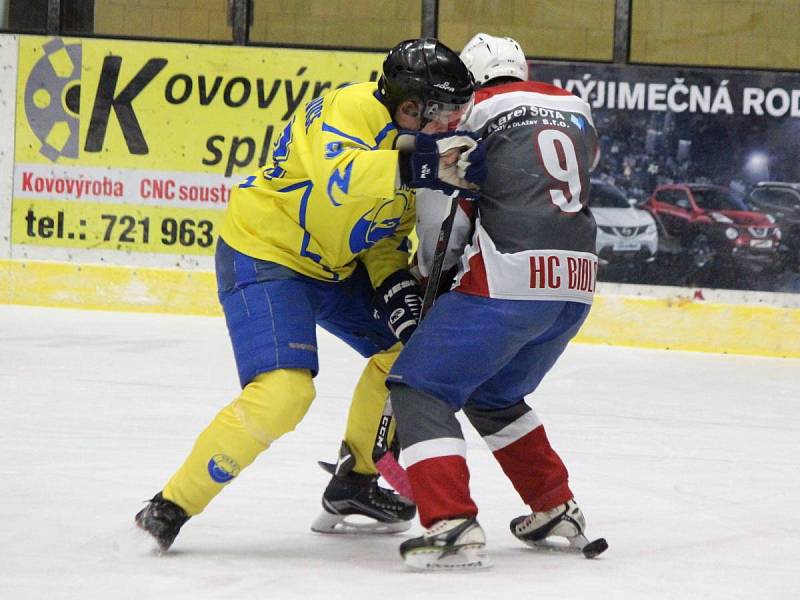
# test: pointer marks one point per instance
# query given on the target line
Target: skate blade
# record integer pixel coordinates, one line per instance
(356, 525)
(576, 544)
(465, 558)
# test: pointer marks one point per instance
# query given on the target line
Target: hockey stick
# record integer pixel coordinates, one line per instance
(385, 461)
(435, 276)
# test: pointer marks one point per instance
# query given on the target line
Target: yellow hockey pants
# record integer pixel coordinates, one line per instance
(268, 407)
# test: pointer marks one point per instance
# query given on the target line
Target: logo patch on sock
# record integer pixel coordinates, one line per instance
(222, 468)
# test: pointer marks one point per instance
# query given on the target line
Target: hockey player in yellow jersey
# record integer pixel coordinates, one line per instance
(319, 237)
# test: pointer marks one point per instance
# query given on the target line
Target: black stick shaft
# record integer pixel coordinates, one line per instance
(435, 276)
(381, 445)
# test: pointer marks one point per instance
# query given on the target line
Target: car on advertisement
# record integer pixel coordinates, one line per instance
(781, 200)
(627, 237)
(710, 227)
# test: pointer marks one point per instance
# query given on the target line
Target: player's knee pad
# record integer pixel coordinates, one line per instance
(273, 403)
(488, 421)
(422, 417)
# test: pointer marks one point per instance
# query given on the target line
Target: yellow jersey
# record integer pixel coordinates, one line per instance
(329, 198)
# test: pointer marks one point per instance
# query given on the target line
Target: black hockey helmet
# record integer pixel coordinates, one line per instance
(429, 71)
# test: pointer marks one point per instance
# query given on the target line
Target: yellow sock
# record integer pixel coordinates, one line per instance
(366, 407)
(268, 407)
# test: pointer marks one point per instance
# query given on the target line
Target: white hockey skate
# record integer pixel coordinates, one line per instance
(541, 530)
(449, 544)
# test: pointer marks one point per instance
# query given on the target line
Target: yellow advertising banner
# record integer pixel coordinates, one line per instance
(116, 139)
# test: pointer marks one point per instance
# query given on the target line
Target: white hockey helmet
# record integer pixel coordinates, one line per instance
(487, 57)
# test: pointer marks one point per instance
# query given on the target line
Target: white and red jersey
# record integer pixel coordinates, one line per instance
(534, 238)
(433, 207)
(547, 274)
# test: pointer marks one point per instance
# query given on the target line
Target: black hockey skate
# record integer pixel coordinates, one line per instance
(449, 544)
(565, 521)
(355, 503)
(162, 519)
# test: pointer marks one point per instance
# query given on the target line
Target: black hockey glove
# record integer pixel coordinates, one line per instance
(399, 304)
(443, 161)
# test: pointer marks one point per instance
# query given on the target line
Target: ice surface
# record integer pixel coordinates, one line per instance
(686, 463)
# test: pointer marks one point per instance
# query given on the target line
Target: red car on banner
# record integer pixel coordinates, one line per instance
(710, 227)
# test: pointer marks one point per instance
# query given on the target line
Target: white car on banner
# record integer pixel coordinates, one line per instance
(626, 236)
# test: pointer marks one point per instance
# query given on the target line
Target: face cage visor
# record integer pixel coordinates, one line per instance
(444, 112)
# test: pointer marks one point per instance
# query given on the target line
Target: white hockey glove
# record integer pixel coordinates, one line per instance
(445, 161)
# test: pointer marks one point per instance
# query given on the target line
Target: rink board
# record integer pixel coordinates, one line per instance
(113, 227)
(756, 324)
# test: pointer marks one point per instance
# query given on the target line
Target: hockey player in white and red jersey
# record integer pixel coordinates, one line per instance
(524, 287)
